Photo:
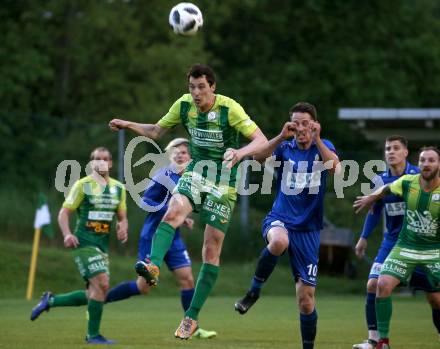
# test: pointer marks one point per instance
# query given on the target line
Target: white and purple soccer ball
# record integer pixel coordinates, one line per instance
(185, 19)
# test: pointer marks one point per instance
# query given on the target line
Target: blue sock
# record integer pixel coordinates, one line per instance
(123, 291)
(436, 319)
(186, 298)
(370, 312)
(265, 266)
(308, 329)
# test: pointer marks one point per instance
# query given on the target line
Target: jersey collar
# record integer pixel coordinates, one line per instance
(408, 167)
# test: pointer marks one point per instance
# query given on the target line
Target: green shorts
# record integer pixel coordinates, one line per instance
(214, 202)
(401, 262)
(91, 261)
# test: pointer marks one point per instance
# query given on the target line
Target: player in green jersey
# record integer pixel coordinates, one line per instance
(214, 123)
(96, 199)
(419, 238)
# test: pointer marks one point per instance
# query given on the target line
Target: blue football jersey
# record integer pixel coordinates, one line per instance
(300, 185)
(393, 205)
(158, 194)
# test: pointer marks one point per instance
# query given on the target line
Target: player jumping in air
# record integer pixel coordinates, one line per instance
(214, 123)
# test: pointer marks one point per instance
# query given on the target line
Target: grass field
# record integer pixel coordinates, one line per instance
(150, 322)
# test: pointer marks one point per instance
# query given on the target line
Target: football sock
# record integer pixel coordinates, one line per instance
(122, 291)
(384, 309)
(265, 266)
(185, 297)
(162, 240)
(308, 328)
(370, 313)
(436, 319)
(95, 313)
(205, 282)
(74, 298)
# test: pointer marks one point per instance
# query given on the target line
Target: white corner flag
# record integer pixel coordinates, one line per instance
(41, 224)
(42, 217)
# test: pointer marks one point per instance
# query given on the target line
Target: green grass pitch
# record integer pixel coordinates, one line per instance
(149, 322)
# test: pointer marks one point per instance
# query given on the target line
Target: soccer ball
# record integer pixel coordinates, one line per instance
(185, 18)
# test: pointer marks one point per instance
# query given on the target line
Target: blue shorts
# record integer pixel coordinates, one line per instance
(419, 280)
(303, 251)
(177, 256)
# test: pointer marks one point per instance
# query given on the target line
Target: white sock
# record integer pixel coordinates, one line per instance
(374, 335)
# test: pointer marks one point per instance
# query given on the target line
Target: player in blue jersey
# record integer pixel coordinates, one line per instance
(396, 152)
(157, 195)
(296, 218)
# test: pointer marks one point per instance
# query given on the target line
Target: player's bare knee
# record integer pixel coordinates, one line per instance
(372, 285)
(306, 304)
(278, 245)
(186, 282)
(173, 218)
(384, 288)
(104, 287)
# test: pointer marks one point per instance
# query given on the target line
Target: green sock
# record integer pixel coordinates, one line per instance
(384, 309)
(95, 313)
(74, 298)
(205, 282)
(161, 242)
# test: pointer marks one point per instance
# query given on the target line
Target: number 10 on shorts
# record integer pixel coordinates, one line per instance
(312, 270)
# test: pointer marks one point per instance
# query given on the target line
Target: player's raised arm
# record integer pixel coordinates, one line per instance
(287, 132)
(153, 131)
(326, 153)
(366, 201)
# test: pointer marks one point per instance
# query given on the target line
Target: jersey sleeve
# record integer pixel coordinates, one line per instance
(396, 187)
(239, 120)
(123, 202)
(372, 219)
(172, 118)
(75, 196)
(329, 145)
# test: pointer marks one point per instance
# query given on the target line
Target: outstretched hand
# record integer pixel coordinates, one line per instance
(362, 202)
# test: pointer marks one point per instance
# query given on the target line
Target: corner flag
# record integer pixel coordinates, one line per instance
(42, 217)
(41, 224)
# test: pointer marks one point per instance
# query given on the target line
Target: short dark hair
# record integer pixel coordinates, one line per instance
(198, 70)
(430, 148)
(92, 154)
(401, 139)
(304, 107)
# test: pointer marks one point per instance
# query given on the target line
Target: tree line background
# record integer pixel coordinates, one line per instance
(68, 66)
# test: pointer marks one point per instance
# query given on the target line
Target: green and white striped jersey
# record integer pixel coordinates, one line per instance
(420, 227)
